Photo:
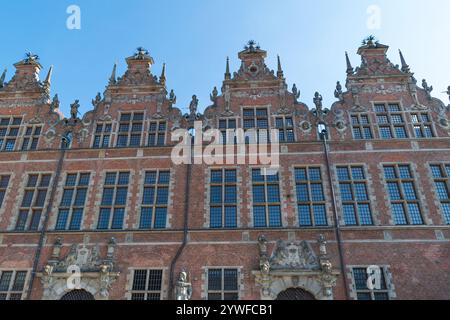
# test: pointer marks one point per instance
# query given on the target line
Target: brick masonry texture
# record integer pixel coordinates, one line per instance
(413, 256)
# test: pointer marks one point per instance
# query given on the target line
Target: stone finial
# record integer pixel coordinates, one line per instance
(448, 92)
(48, 78)
(405, 66)
(112, 79)
(349, 65)
(280, 73)
(227, 70)
(2, 78)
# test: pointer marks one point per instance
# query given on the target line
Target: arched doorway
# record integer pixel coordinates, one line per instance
(295, 294)
(78, 295)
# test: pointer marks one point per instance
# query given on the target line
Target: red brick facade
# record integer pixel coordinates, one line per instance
(415, 257)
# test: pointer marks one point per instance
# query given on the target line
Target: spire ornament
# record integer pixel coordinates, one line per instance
(2, 78)
(280, 73)
(350, 69)
(112, 79)
(448, 92)
(162, 79)
(227, 70)
(405, 66)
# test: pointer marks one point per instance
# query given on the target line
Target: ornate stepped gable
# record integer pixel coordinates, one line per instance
(253, 85)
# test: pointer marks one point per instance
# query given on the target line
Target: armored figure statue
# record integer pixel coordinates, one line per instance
(74, 109)
(55, 103)
(97, 100)
(318, 101)
(214, 94)
(338, 92)
(194, 105)
(295, 92)
(183, 287)
(172, 97)
(427, 88)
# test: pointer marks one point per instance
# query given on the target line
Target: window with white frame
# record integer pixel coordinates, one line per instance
(130, 129)
(227, 124)
(266, 200)
(31, 138)
(422, 124)
(361, 127)
(155, 200)
(285, 127)
(391, 121)
(223, 198)
(102, 137)
(4, 182)
(157, 133)
(256, 119)
(365, 291)
(441, 177)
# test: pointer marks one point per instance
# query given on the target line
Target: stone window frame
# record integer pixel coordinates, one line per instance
(285, 128)
(325, 203)
(157, 132)
(17, 205)
(61, 188)
(17, 138)
(8, 191)
(268, 107)
(240, 278)
(418, 186)
(99, 195)
(403, 112)
(24, 291)
(207, 196)
(326, 191)
(370, 191)
(164, 281)
(102, 134)
(422, 124)
(141, 197)
(361, 126)
(33, 138)
(227, 119)
(282, 204)
(387, 276)
(437, 201)
(143, 132)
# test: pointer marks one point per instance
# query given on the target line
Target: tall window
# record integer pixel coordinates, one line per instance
(73, 201)
(130, 130)
(33, 202)
(441, 175)
(102, 136)
(224, 125)
(223, 284)
(391, 123)
(157, 133)
(257, 119)
(285, 126)
(12, 284)
(405, 204)
(310, 197)
(4, 182)
(363, 292)
(147, 285)
(9, 131)
(223, 199)
(114, 201)
(266, 200)
(31, 139)
(361, 127)
(422, 125)
(354, 196)
(155, 200)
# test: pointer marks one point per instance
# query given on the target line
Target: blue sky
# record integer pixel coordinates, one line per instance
(194, 38)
